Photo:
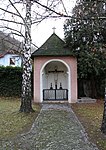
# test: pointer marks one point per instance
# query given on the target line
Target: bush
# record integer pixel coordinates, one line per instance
(10, 81)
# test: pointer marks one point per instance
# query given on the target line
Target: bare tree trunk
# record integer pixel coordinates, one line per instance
(26, 99)
(103, 126)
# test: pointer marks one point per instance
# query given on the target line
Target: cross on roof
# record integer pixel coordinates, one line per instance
(54, 29)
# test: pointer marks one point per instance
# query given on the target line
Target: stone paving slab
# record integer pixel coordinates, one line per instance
(56, 128)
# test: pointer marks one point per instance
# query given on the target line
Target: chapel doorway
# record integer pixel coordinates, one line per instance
(55, 83)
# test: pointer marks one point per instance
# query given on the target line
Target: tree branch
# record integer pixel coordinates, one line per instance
(9, 12)
(62, 15)
(6, 27)
(6, 20)
(17, 11)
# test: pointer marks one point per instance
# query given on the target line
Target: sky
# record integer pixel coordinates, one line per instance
(43, 31)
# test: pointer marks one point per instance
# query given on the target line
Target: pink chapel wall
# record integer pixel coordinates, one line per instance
(39, 63)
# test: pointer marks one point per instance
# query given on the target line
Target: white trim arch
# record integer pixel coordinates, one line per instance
(69, 78)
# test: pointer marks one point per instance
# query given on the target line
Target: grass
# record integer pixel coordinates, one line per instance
(12, 122)
(90, 115)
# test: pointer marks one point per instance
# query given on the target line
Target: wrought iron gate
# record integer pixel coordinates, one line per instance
(55, 94)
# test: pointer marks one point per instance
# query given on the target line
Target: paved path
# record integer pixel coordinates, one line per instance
(56, 128)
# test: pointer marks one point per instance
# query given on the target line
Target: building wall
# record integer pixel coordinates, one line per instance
(5, 61)
(39, 63)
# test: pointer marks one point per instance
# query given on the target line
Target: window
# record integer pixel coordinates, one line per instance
(12, 61)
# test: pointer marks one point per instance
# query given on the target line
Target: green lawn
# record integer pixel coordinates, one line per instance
(12, 122)
(90, 115)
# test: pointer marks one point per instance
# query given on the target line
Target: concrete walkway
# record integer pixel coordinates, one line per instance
(56, 128)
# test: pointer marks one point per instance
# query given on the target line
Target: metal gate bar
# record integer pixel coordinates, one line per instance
(55, 94)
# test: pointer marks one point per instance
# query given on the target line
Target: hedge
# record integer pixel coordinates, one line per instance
(10, 81)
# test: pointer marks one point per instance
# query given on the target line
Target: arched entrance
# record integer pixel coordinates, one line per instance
(55, 80)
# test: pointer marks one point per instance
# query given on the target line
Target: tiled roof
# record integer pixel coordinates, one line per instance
(54, 46)
(2, 53)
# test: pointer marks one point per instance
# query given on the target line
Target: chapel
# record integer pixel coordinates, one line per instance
(55, 72)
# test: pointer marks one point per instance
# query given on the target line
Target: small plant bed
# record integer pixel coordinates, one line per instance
(12, 122)
(90, 115)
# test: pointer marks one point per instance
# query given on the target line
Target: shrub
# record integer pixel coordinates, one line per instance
(10, 81)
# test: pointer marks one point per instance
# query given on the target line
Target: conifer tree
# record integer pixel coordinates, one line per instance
(85, 34)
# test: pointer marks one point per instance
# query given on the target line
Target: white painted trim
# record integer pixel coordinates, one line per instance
(69, 77)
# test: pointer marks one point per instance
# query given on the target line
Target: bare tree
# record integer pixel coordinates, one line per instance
(26, 105)
(17, 17)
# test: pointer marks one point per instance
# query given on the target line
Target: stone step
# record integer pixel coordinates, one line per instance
(55, 101)
(86, 100)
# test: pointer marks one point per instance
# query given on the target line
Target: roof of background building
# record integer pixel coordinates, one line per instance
(2, 53)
